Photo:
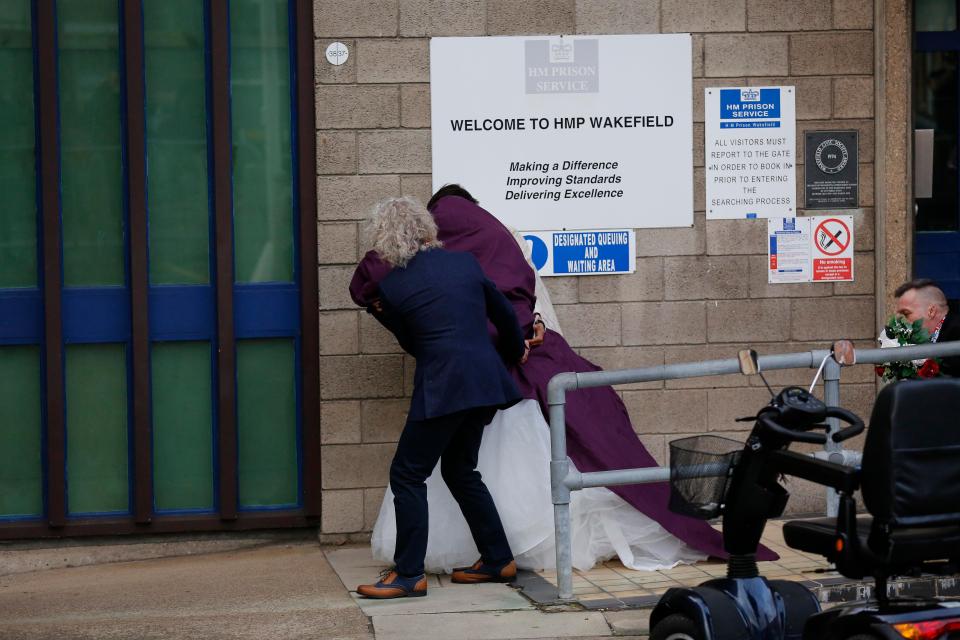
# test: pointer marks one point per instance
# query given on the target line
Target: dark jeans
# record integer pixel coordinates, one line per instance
(454, 440)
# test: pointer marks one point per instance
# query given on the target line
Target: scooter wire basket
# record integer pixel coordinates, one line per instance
(700, 468)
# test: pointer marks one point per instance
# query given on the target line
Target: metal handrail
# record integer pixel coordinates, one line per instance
(564, 478)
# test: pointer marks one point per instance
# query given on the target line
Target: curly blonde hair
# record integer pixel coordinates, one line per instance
(399, 228)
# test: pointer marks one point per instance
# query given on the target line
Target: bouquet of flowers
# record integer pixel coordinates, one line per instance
(899, 333)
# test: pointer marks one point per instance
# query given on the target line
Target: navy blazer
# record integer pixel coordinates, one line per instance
(437, 307)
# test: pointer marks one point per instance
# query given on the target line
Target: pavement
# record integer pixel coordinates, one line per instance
(285, 585)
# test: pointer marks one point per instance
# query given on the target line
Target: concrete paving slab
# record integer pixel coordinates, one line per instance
(450, 599)
(354, 565)
(506, 625)
(630, 622)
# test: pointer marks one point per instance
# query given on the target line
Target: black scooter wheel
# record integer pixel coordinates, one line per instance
(676, 627)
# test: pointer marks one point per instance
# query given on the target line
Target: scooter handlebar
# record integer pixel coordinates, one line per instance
(856, 424)
(790, 434)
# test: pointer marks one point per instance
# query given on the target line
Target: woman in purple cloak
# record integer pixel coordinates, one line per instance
(630, 521)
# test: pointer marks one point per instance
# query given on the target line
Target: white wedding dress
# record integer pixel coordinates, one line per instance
(514, 461)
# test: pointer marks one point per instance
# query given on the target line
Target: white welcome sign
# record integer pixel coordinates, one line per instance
(572, 132)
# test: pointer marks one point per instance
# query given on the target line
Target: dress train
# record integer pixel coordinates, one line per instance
(514, 461)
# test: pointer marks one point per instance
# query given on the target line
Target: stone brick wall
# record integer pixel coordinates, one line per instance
(698, 292)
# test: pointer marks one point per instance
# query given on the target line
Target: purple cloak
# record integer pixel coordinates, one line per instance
(600, 436)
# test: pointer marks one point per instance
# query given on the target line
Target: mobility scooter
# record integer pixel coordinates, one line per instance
(910, 484)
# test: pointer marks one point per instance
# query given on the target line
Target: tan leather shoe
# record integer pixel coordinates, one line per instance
(393, 585)
(481, 572)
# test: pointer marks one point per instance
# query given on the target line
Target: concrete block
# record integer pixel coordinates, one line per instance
(403, 60)
(692, 16)
(337, 243)
(610, 358)
(677, 241)
(813, 95)
(415, 106)
(698, 142)
(357, 106)
(394, 151)
(863, 228)
(644, 284)
(590, 325)
(834, 53)
(420, 18)
(358, 18)
(761, 288)
(338, 333)
(863, 277)
(372, 500)
(697, 56)
(356, 466)
(345, 377)
(336, 152)
(705, 277)
(726, 405)
(801, 15)
(342, 511)
(748, 321)
(699, 189)
(418, 186)
(340, 422)
(656, 446)
(698, 353)
(617, 16)
(853, 14)
(352, 197)
(730, 55)
(375, 338)
(664, 323)
(834, 318)
(334, 287)
(667, 411)
(383, 420)
(853, 97)
(736, 237)
(326, 73)
(563, 289)
(867, 184)
(508, 17)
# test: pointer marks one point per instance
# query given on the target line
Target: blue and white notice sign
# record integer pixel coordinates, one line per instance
(582, 253)
(749, 147)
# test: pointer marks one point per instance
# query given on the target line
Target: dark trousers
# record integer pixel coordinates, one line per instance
(454, 440)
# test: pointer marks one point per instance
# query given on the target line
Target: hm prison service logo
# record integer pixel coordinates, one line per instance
(562, 65)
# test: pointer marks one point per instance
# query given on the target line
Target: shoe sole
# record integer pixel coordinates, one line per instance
(415, 594)
(483, 579)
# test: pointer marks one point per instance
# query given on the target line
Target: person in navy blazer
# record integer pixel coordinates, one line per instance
(437, 303)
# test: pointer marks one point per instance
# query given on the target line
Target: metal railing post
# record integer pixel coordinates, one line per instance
(560, 493)
(831, 397)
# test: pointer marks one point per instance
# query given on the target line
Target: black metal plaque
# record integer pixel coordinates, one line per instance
(832, 177)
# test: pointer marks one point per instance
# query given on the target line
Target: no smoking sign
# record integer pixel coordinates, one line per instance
(833, 249)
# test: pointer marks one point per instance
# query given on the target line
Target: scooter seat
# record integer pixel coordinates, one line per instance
(819, 535)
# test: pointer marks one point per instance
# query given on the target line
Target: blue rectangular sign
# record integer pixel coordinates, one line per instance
(749, 108)
(585, 252)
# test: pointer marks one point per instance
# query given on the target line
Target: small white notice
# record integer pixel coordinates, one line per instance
(749, 149)
(788, 250)
(582, 253)
(810, 249)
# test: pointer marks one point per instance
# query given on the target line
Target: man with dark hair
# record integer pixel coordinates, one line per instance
(922, 299)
